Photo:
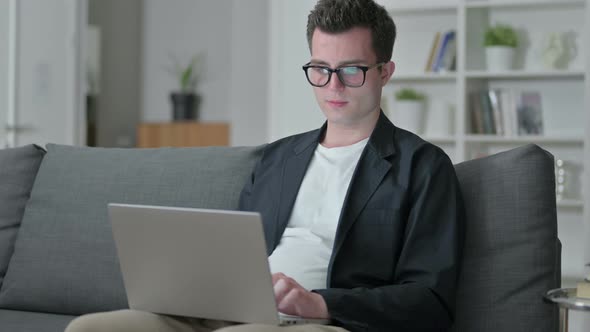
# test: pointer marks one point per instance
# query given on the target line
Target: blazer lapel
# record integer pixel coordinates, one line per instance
(294, 169)
(369, 173)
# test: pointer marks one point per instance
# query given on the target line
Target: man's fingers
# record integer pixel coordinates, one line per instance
(277, 276)
(288, 294)
(281, 288)
(293, 299)
(289, 303)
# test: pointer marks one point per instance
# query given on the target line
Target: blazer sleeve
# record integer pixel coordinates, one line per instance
(422, 294)
(245, 200)
(244, 203)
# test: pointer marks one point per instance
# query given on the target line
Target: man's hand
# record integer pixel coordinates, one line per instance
(293, 299)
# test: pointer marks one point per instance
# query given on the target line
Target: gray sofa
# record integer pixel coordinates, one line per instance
(57, 256)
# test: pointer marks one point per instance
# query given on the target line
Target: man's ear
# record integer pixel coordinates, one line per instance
(386, 72)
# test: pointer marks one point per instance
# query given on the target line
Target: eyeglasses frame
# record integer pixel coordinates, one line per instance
(364, 69)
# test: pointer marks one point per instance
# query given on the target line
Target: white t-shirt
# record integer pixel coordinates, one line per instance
(306, 246)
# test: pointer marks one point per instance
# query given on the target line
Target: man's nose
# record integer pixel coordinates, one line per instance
(335, 83)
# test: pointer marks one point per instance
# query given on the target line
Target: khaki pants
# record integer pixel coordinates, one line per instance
(140, 321)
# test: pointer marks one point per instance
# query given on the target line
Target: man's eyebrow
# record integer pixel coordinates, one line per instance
(340, 64)
(318, 62)
(351, 62)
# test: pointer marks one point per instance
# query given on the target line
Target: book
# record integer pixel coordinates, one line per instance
(530, 116)
(476, 114)
(449, 54)
(496, 112)
(510, 122)
(583, 290)
(453, 66)
(487, 114)
(445, 45)
(433, 50)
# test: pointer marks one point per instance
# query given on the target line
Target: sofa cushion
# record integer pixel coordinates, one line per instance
(23, 321)
(18, 168)
(65, 259)
(511, 254)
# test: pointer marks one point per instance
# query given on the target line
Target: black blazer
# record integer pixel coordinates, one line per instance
(398, 244)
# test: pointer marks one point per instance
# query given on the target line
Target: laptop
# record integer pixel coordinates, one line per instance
(196, 263)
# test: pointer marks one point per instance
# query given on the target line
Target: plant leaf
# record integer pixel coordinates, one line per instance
(186, 78)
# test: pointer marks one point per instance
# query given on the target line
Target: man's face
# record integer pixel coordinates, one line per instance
(344, 105)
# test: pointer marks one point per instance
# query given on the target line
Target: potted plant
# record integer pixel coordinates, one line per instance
(185, 100)
(500, 42)
(408, 111)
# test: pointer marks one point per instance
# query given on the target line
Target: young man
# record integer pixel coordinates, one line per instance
(363, 220)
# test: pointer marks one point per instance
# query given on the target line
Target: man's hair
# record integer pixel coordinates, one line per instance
(335, 16)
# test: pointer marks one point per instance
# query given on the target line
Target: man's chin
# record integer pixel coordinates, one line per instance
(336, 115)
(341, 119)
(347, 117)
(337, 111)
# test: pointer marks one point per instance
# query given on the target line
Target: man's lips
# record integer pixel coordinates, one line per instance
(336, 103)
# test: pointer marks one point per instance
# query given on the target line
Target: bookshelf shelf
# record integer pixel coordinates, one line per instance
(570, 203)
(440, 139)
(522, 3)
(524, 139)
(425, 77)
(416, 7)
(526, 74)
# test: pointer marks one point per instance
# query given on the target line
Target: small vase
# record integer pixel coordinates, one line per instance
(568, 179)
(499, 58)
(409, 115)
(440, 119)
(185, 106)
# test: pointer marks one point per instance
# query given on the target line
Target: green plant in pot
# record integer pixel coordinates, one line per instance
(500, 42)
(185, 100)
(409, 94)
(408, 111)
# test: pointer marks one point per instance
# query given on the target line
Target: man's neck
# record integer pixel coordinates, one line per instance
(338, 135)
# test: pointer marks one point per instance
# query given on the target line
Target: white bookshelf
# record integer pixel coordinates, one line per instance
(526, 74)
(564, 92)
(525, 139)
(419, 6)
(521, 3)
(441, 139)
(426, 77)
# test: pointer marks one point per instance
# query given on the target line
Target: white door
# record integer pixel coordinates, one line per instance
(42, 88)
(4, 41)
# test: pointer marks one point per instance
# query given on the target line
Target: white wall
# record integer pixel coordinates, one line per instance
(248, 104)
(586, 40)
(184, 28)
(234, 37)
(118, 103)
(293, 108)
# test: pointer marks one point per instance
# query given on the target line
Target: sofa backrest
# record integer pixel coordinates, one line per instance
(18, 168)
(65, 259)
(512, 253)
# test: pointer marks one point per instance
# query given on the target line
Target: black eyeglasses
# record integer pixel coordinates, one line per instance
(350, 76)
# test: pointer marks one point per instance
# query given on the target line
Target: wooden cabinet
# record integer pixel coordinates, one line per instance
(182, 134)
